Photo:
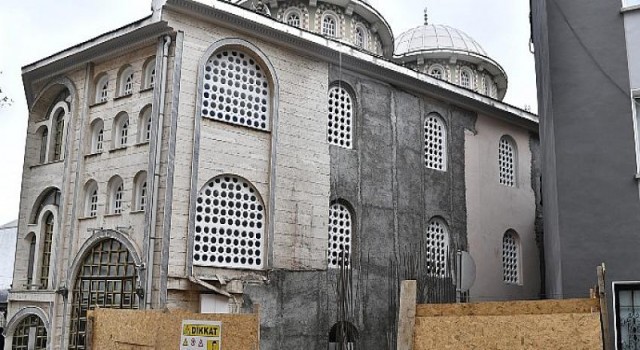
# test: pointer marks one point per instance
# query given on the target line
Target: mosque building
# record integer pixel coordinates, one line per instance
(218, 155)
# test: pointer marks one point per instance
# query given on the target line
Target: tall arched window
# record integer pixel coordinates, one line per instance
(465, 79)
(236, 90)
(91, 199)
(149, 79)
(435, 143)
(121, 131)
(330, 25)
(58, 134)
(97, 136)
(102, 89)
(140, 193)
(31, 239)
(511, 257)
(106, 279)
(144, 125)
(293, 19)
(116, 195)
(360, 37)
(436, 72)
(47, 241)
(30, 334)
(340, 236)
(44, 140)
(507, 157)
(437, 243)
(340, 120)
(126, 82)
(230, 225)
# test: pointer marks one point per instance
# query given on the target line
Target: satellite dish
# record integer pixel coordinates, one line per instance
(466, 271)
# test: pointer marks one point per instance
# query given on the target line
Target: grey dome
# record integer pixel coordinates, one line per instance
(434, 38)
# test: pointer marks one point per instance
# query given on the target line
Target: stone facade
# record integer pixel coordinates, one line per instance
(294, 173)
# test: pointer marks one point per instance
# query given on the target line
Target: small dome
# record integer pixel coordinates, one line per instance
(436, 37)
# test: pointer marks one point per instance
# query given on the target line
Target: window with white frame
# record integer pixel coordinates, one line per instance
(507, 157)
(435, 143)
(360, 37)
(626, 298)
(330, 25)
(293, 19)
(140, 194)
(126, 82)
(437, 244)
(340, 119)
(229, 225)
(149, 74)
(121, 131)
(91, 200)
(511, 258)
(116, 195)
(465, 78)
(29, 334)
(97, 136)
(144, 125)
(236, 90)
(102, 89)
(340, 236)
(436, 72)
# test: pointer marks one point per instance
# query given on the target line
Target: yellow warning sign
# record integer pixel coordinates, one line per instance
(201, 335)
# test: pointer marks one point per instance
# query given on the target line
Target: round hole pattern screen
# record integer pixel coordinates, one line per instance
(229, 229)
(506, 162)
(434, 144)
(340, 119)
(437, 248)
(510, 258)
(339, 252)
(236, 90)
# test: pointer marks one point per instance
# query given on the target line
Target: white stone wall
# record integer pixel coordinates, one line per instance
(493, 209)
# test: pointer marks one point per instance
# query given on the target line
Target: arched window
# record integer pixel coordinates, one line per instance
(436, 72)
(102, 89)
(44, 140)
(140, 193)
(360, 37)
(236, 90)
(340, 236)
(437, 244)
(330, 26)
(58, 134)
(507, 156)
(230, 225)
(91, 199)
(97, 136)
(511, 257)
(149, 79)
(126, 82)
(487, 86)
(144, 125)
(435, 143)
(121, 131)
(30, 334)
(47, 241)
(343, 336)
(106, 279)
(31, 239)
(116, 194)
(340, 121)
(465, 79)
(293, 19)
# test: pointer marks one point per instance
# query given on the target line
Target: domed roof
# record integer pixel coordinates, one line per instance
(434, 37)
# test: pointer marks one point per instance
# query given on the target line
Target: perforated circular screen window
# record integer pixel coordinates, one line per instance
(340, 121)
(507, 162)
(340, 226)
(437, 248)
(510, 252)
(435, 144)
(236, 90)
(229, 225)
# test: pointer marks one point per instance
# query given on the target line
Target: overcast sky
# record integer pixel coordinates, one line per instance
(34, 29)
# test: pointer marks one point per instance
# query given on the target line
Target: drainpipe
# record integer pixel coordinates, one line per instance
(156, 173)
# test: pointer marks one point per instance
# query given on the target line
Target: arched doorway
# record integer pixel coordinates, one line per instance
(107, 279)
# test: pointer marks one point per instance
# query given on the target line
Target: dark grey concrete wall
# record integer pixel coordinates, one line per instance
(393, 196)
(590, 195)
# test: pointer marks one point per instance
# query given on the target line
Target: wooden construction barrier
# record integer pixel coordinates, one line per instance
(157, 330)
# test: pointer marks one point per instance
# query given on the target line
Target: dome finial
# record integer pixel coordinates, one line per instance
(426, 16)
